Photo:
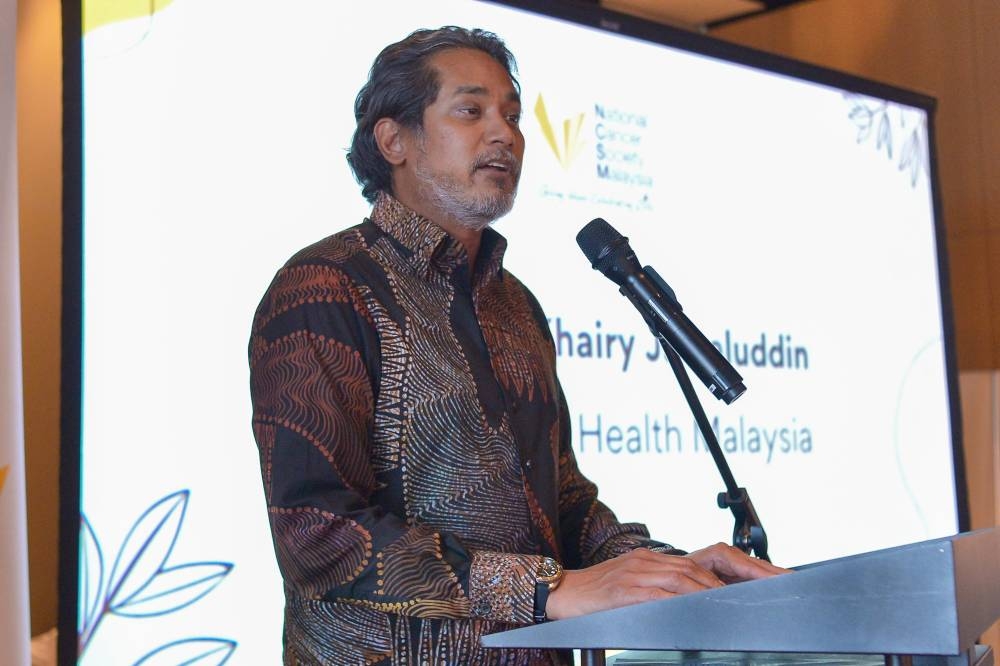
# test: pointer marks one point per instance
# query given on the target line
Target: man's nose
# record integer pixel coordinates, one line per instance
(501, 130)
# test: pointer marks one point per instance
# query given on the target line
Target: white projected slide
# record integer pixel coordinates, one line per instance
(793, 220)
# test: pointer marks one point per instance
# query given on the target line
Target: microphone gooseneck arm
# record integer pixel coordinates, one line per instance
(609, 252)
(748, 533)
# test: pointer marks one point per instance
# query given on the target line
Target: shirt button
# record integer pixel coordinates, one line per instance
(527, 463)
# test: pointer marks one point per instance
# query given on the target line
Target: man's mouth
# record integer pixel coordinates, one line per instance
(498, 165)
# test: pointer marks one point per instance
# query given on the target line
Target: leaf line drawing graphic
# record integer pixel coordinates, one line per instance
(91, 563)
(875, 117)
(147, 547)
(911, 156)
(173, 589)
(142, 583)
(190, 652)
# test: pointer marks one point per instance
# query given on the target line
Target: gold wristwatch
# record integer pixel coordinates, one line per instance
(547, 578)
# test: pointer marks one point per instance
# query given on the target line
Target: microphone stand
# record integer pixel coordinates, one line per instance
(748, 533)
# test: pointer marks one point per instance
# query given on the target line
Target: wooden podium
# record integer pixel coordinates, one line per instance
(924, 603)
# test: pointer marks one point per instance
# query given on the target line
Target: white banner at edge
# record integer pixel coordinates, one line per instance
(14, 618)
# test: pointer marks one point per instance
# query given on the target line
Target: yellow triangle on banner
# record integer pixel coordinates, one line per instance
(102, 12)
(3, 476)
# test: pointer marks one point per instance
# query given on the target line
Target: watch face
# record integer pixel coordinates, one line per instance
(549, 569)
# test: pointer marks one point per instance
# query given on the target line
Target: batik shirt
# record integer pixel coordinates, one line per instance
(415, 448)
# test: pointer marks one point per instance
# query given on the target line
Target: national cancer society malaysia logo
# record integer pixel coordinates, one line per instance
(568, 145)
(614, 141)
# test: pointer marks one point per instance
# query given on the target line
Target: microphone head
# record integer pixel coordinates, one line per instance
(607, 250)
(596, 238)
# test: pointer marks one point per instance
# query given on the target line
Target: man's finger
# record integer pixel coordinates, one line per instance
(675, 574)
(734, 564)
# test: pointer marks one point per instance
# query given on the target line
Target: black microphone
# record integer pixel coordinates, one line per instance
(609, 252)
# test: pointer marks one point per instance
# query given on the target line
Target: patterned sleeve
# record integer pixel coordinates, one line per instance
(591, 532)
(313, 377)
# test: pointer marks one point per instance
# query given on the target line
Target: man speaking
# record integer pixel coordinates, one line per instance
(414, 440)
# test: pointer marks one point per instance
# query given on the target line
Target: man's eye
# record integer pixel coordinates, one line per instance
(514, 118)
(469, 111)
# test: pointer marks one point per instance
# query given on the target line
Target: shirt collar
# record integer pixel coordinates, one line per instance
(430, 248)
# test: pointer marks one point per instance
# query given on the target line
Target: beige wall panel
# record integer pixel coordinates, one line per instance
(993, 268)
(968, 259)
(39, 135)
(986, 22)
(684, 12)
(978, 414)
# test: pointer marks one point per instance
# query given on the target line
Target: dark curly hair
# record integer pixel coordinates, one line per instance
(400, 86)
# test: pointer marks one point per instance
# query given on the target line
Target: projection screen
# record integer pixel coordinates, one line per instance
(792, 210)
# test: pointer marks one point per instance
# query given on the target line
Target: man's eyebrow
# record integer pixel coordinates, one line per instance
(470, 90)
(512, 96)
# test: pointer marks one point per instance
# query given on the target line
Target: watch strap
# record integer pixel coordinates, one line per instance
(549, 575)
(541, 598)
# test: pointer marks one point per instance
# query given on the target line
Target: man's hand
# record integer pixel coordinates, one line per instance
(732, 565)
(642, 575)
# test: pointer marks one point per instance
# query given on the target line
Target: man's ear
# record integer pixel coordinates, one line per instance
(390, 141)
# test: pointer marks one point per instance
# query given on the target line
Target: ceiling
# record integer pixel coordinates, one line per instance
(694, 14)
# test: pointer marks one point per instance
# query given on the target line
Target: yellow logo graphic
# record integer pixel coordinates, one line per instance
(3, 476)
(102, 12)
(572, 143)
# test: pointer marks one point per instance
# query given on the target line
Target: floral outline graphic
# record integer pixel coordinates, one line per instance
(879, 119)
(190, 651)
(143, 583)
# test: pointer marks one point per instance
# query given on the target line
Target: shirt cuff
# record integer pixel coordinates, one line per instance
(502, 586)
(667, 549)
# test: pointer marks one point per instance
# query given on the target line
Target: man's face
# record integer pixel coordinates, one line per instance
(467, 157)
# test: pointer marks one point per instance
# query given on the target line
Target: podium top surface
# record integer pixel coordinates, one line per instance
(933, 597)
